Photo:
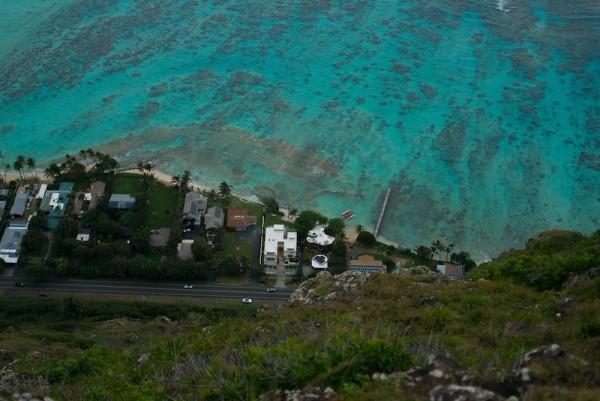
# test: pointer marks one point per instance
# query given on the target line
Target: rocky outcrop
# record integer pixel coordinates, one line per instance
(582, 277)
(455, 392)
(9, 382)
(307, 394)
(325, 287)
(417, 271)
(439, 371)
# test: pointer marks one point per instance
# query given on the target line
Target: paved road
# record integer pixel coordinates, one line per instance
(147, 288)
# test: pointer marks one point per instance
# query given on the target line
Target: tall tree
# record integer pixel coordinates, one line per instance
(224, 189)
(184, 180)
(19, 164)
(358, 228)
(31, 164)
(52, 171)
(6, 168)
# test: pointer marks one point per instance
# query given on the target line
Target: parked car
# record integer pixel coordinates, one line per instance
(42, 294)
(272, 289)
(247, 300)
(19, 284)
(188, 286)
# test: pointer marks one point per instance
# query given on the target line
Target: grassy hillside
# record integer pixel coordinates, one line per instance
(546, 261)
(88, 351)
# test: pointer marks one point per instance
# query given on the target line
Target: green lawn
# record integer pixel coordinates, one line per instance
(163, 208)
(131, 184)
(236, 248)
(271, 219)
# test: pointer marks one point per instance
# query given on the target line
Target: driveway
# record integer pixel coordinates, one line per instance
(251, 236)
(280, 279)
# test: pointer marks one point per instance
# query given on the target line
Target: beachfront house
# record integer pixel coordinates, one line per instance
(453, 271)
(42, 190)
(89, 199)
(239, 219)
(280, 246)
(367, 264)
(10, 244)
(317, 236)
(4, 192)
(214, 218)
(194, 207)
(121, 202)
(20, 204)
(54, 203)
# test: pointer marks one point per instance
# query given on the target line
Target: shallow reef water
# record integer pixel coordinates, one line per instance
(483, 117)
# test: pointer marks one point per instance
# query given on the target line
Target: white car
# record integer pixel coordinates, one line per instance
(188, 286)
(272, 289)
(247, 300)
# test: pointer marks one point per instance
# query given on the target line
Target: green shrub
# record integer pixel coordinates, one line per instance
(366, 238)
(546, 262)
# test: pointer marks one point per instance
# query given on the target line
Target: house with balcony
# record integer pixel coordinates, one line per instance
(280, 246)
(318, 236)
(367, 264)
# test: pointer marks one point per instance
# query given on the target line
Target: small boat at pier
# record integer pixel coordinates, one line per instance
(348, 214)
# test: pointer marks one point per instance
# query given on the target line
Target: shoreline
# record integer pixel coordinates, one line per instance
(165, 179)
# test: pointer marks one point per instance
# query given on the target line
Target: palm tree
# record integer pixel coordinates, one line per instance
(31, 164)
(185, 179)
(448, 249)
(19, 164)
(359, 228)
(6, 168)
(293, 213)
(148, 167)
(52, 171)
(224, 189)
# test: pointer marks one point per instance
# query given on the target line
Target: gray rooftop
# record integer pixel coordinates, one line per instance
(121, 198)
(20, 204)
(13, 236)
(195, 204)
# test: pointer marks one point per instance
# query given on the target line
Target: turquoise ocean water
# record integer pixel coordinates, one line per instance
(482, 116)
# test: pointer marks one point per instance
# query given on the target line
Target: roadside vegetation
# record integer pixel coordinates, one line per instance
(79, 350)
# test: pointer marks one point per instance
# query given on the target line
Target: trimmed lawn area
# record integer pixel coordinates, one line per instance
(164, 205)
(234, 247)
(131, 184)
(164, 200)
(271, 219)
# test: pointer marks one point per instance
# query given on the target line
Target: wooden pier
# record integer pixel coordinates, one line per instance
(382, 212)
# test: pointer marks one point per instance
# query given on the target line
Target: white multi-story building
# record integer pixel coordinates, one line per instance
(280, 246)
